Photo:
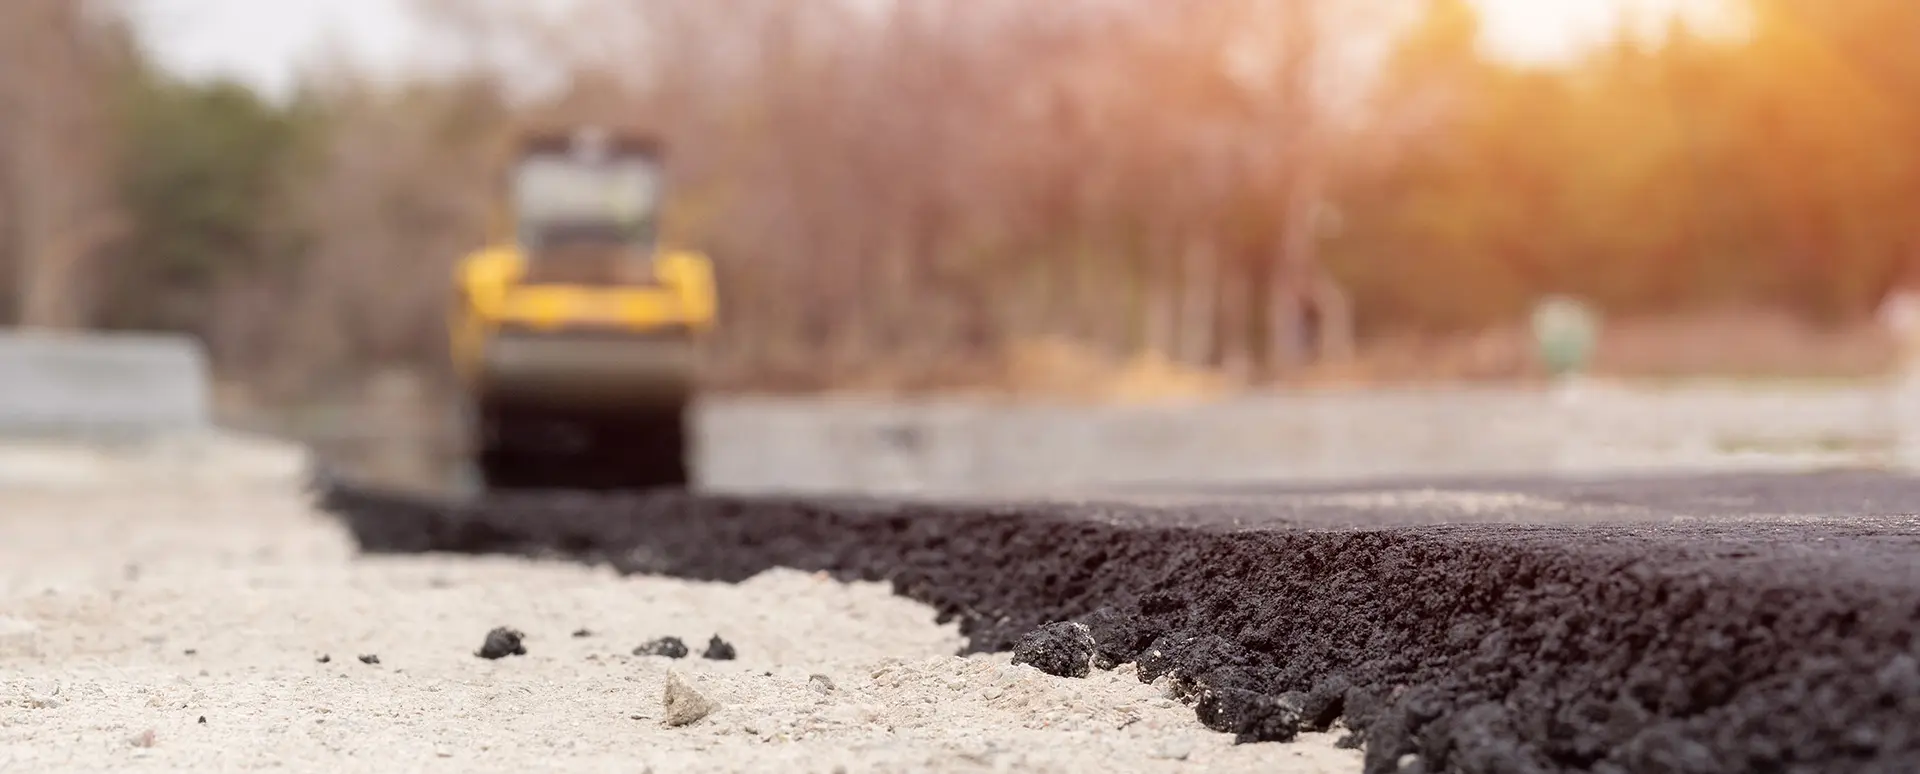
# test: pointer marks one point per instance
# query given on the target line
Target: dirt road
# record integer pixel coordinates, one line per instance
(198, 631)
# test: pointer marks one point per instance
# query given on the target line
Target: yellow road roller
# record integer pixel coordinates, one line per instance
(576, 330)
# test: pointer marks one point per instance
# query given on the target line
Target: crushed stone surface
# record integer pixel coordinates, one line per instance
(102, 594)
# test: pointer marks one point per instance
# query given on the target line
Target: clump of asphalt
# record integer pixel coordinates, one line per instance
(502, 642)
(1624, 626)
(670, 647)
(719, 650)
(1061, 649)
(1118, 637)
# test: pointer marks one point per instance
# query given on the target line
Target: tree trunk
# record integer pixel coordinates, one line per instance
(1334, 311)
(1239, 295)
(46, 270)
(1199, 304)
(1290, 345)
(1161, 289)
(59, 148)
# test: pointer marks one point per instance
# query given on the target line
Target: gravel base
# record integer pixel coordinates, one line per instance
(129, 619)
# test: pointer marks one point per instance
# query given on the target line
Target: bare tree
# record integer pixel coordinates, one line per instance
(57, 63)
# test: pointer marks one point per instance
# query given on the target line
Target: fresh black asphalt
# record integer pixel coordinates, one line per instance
(1738, 623)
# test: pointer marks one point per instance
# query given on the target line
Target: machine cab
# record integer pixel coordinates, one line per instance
(586, 208)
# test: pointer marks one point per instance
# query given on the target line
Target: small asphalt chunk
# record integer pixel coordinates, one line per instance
(1061, 649)
(1118, 637)
(579, 634)
(191, 652)
(683, 704)
(670, 647)
(203, 720)
(501, 643)
(719, 649)
(369, 658)
(324, 658)
(1248, 715)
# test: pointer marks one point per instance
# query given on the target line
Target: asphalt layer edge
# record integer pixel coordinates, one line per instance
(1445, 649)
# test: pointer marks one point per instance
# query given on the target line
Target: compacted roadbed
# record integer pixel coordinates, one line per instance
(221, 628)
(1740, 623)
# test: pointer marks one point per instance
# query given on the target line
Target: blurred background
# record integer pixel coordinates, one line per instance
(1077, 202)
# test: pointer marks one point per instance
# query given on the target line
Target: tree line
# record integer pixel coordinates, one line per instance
(1249, 186)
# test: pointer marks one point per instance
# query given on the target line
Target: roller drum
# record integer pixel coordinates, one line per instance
(585, 411)
(600, 372)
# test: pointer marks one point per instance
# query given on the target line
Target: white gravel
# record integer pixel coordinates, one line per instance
(127, 618)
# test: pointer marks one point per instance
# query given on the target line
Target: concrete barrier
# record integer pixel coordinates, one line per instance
(979, 447)
(778, 445)
(92, 411)
(57, 385)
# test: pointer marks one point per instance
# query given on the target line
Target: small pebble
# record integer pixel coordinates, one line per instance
(369, 658)
(719, 649)
(685, 705)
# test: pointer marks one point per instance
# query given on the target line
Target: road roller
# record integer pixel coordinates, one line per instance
(577, 328)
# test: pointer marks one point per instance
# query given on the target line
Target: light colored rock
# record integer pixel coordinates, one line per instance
(683, 704)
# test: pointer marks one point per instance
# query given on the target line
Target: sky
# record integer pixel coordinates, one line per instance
(264, 42)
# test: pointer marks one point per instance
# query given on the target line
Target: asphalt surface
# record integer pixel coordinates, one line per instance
(1741, 623)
